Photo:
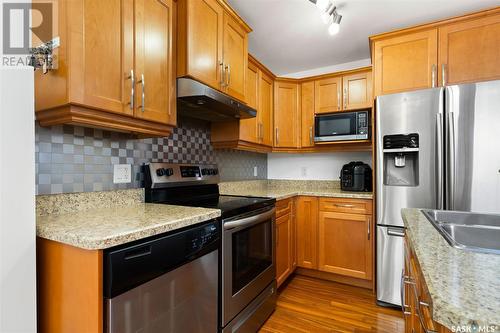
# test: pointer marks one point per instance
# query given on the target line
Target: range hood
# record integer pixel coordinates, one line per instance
(197, 100)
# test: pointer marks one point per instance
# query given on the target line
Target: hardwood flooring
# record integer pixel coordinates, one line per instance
(311, 305)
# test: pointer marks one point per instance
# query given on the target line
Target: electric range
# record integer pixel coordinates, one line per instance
(247, 263)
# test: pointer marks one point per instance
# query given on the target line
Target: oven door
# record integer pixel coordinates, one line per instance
(336, 127)
(248, 264)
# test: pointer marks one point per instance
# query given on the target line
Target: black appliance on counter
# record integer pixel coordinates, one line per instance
(356, 176)
(247, 274)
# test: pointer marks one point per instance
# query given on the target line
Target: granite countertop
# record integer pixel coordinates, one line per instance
(464, 286)
(283, 189)
(99, 220)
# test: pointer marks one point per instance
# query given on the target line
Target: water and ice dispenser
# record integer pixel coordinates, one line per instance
(401, 159)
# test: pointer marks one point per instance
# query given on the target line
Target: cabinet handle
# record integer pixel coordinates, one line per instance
(143, 95)
(277, 236)
(369, 227)
(338, 99)
(222, 80)
(311, 135)
(344, 205)
(345, 98)
(443, 73)
(277, 136)
(132, 90)
(261, 131)
(433, 75)
(228, 76)
(419, 312)
(402, 290)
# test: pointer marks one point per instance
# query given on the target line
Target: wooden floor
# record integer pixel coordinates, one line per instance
(311, 305)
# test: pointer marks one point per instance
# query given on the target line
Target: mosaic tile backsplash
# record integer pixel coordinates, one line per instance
(75, 159)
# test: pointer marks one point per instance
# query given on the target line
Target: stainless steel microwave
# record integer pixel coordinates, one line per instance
(342, 126)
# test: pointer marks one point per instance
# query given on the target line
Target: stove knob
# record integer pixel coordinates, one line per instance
(169, 172)
(204, 172)
(215, 171)
(160, 172)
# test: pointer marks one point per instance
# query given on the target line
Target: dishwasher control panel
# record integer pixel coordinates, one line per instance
(130, 265)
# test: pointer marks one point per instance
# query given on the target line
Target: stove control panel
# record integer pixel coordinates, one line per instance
(157, 175)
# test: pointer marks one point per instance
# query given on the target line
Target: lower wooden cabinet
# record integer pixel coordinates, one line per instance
(417, 301)
(285, 240)
(344, 244)
(333, 239)
(307, 232)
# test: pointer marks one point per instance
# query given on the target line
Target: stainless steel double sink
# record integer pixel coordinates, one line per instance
(468, 231)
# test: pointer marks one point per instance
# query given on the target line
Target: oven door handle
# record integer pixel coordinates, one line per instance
(251, 220)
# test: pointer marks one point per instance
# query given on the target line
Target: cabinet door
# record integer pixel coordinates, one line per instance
(405, 63)
(249, 127)
(283, 248)
(204, 35)
(235, 57)
(307, 232)
(100, 74)
(357, 91)
(266, 108)
(307, 113)
(470, 50)
(328, 95)
(155, 87)
(345, 244)
(286, 127)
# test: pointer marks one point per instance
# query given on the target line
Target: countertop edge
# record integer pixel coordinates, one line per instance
(160, 227)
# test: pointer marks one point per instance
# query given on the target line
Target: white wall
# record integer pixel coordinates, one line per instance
(312, 166)
(17, 197)
(329, 69)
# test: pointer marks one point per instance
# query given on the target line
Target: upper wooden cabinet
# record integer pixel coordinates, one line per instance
(213, 45)
(470, 50)
(307, 114)
(235, 57)
(328, 95)
(286, 114)
(458, 50)
(200, 39)
(406, 62)
(254, 133)
(265, 109)
(357, 91)
(115, 71)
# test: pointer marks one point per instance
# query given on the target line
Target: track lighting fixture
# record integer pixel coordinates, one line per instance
(329, 15)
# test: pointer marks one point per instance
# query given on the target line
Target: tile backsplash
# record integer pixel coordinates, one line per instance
(76, 159)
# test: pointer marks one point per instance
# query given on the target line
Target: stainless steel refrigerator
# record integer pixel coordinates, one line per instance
(436, 148)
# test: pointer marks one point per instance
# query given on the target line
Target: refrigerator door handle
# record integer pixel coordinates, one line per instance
(439, 160)
(397, 233)
(450, 165)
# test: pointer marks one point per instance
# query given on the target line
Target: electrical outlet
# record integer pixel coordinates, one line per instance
(255, 172)
(122, 173)
(303, 171)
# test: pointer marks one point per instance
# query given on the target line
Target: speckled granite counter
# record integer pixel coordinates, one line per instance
(282, 189)
(99, 220)
(464, 286)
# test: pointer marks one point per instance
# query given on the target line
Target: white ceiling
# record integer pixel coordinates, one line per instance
(288, 35)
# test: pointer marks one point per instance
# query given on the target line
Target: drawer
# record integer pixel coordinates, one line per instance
(342, 205)
(283, 207)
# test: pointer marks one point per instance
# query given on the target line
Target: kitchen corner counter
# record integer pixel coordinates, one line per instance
(464, 286)
(97, 229)
(99, 220)
(283, 189)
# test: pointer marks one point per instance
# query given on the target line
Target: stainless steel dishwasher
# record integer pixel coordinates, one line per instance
(167, 283)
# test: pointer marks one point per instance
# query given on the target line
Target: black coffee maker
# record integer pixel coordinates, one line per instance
(356, 176)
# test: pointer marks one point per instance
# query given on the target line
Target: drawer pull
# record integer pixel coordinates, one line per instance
(419, 312)
(344, 205)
